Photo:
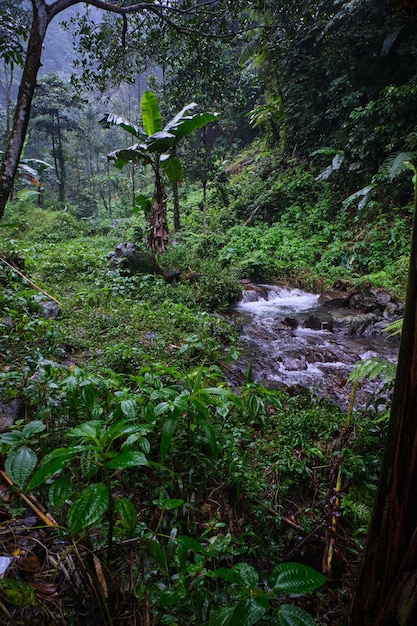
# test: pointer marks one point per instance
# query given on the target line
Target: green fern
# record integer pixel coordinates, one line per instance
(370, 369)
(396, 164)
(394, 328)
(358, 511)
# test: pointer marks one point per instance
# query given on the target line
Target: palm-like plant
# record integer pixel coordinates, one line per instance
(155, 148)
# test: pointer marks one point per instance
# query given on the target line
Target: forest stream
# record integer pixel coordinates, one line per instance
(292, 338)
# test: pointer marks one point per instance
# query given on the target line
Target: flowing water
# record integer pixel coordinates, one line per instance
(282, 348)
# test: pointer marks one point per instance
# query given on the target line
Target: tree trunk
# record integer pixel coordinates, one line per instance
(60, 156)
(386, 593)
(205, 207)
(24, 101)
(177, 222)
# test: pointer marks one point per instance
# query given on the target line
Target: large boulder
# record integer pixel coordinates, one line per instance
(10, 412)
(129, 259)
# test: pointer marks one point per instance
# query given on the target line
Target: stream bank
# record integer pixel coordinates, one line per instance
(297, 339)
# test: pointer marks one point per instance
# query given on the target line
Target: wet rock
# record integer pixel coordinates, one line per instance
(336, 299)
(173, 275)
(293, 364)
(50, 310)
(253, 292)
(364, 324)
(312, 322)
(328, 325)
(370, 300)
(291, 322)
(393, 309)
(131, 260)
(10, 412)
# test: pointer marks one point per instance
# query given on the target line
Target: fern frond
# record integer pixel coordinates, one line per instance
(396, 164)
(360, 512)
(370, 369)
(394, 328)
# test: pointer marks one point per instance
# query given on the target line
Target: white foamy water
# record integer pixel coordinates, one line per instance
(281, 347)
(277, 300)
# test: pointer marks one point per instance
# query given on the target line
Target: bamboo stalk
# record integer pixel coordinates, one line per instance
(14, 269)
(331, 535)
(31, 502)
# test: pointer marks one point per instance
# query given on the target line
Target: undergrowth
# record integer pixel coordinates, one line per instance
(190, 494)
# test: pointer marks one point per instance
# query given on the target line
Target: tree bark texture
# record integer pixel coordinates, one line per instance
(24, 102)
(158, 224)
(386, 593)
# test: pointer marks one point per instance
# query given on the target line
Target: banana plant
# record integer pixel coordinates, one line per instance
(155, 147)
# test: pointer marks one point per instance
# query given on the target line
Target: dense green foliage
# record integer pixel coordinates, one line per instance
(133, 436)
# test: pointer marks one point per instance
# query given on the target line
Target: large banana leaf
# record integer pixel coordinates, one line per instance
(172, 168)
(110, 119)
(160, 142)
(188, 125)
(135, 154)
(180, 116)
(151, 115)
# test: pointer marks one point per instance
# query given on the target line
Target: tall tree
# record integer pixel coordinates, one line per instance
(386, 592)
(53, 112)
(177, 15)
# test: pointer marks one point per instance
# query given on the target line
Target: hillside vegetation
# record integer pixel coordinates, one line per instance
(129, 432)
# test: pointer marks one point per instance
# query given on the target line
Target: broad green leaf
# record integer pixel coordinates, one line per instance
(52, 463)
(33, 428)
(173, 170)
(89, 508)
(142, 203)
(362, 193)
(185, 545)
(157, 553)
(60, 491)
(249, 612)
(127, 512)
(188, 125)
(168, 431)
(145, 445)
(151, 115)
(110, 119)
(129, 407)
(190, 544)
(119, 430)
(135, 154)
(12, 438)
(181, 401)
(89, 430)
(168, 503)
(160, 142)
(248, 575)
(179, 117)
(88, 394)
(290, 615)
(20, 464)
(129, 458)
(296, 578)
(226, 574)
(90, 462)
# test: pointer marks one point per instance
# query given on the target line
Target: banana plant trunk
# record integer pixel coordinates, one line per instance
(158, 228)
(386, 593)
